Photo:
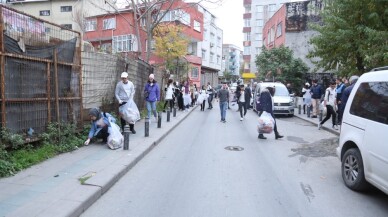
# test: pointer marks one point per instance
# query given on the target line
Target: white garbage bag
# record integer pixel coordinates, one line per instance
(266, 123)
(129, 112)
(115, 139)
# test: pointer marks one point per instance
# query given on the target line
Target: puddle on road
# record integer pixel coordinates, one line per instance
(320, 148)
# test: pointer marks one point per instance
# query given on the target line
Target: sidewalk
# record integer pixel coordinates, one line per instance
(326, 126)
(53, 188)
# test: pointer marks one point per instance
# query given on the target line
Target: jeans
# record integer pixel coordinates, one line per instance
(243, 109)
(223, 108)
(209, 100)
(330, 112)
(151, 107)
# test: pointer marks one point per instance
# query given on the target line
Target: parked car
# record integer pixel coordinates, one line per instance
(283, 102)
(363, 148)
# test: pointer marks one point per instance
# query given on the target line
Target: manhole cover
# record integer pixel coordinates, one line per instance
(234, 148)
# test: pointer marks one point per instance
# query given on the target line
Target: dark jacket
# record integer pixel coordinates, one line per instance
(345, 97)
(266, 101)
(316, 91)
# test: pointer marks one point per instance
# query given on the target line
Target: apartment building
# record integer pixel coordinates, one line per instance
(256, 14)
(67, 13)
(232, 56)
(289, 27)
(210, 48)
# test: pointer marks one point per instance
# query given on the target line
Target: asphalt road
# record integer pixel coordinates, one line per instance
(192, 173)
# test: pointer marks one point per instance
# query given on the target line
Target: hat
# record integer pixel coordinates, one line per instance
(307, 84)
(95, 112)
(151, 76)
(124, 75)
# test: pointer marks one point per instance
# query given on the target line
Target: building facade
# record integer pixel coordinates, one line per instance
(232, 56)
(210, 48)
(256, 14)
(66, 13)
(289, 27)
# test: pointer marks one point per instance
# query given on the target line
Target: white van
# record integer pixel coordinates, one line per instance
(363, 144)
(283, 102)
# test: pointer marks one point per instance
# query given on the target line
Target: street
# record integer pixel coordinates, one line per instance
(193, 173)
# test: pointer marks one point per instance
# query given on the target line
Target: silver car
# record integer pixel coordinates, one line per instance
(283, 101)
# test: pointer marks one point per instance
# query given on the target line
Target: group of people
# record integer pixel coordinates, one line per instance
(333, 99)
(124, 93)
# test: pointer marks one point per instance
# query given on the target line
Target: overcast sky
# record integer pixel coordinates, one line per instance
(230, 18)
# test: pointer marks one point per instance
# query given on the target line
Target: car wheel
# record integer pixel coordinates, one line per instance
(353, 170)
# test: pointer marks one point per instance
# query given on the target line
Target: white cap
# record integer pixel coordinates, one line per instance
(307, 84)
(151, 76)
(124, 75)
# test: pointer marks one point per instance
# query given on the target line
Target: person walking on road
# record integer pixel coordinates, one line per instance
(223, 95)
(330, 103)
(124, 92)
(202, 97)
(210, 92)
(266, 102)
(339, 89)
(248, 96)
(316, 92)
(152, 93)
(241, 100)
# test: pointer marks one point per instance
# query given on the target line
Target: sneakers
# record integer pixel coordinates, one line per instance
(319, 126)
(335, 127)
(241, 119)
(133, 131)
(261, 136)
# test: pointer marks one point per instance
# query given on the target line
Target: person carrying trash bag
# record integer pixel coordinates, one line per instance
(103, 127)
(124, 92)
(266, 103)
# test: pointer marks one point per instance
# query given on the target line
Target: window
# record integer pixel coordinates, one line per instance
(218, 59)
(107, 47)
(90, 25)
(67, 26)
(194, 72)
(247, 8)
(212, 57)
(279, 30)
(205, 34)
(219, 41)
(212, 20)
(259, 8)
(44, 13)
(123, 43)
(371, 102)
(247, 36)
(197, 26)
(203, 54)
(143, 21)
(258, 36)
(247, 22)
(66, 8)
(152, 44)
(247, 50)
(272, 7)
(109, 23)
(260, 23)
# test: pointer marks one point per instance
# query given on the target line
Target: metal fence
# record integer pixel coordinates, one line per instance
(40, 73)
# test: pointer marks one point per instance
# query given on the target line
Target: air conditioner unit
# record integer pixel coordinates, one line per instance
(211, 44)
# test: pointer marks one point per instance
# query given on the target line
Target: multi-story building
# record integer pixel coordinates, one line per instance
(122, 38)
(232, 55)
(289, 27)
(210, 48)
(67, 13)
(257, 13)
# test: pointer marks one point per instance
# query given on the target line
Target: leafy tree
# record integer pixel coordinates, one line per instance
(278, 64)
(353, 38)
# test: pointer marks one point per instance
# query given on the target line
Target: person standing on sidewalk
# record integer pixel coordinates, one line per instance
(125, 90)
(330, 103)
(169, 98)
(339, 89)
(266, 102)
(316, 91)
(248, 96)
(223, 95)
(306, 97)
(152, 93)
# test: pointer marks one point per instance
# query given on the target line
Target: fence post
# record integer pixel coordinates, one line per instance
(159, 120)
(168, 116)
(147, 127)
(126, 137)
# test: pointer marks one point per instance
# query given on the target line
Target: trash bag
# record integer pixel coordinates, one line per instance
(266, 123)
(115, 139)
(186, 99)
(129, 112)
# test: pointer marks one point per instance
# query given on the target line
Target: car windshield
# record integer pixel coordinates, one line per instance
(281, 91)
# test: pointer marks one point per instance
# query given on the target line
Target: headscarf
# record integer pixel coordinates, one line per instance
(95, 112)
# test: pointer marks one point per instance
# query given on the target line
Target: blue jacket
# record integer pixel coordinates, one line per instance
(345, 97)
(316, 91)
(153, 92)
(94, 129)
